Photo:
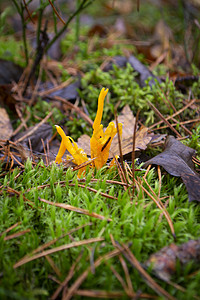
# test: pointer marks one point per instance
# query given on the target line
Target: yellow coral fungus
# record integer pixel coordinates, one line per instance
(68, 143)
(100, 141)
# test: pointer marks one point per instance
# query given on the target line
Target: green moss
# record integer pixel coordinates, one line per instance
(137, 223)
(11, 50)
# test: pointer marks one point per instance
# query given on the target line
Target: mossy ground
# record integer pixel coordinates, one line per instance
(136, 221)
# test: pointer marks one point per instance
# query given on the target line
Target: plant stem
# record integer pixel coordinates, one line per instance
(55, 23)
(77, 21)
(20, 10)
(39, 24)
(60, 32)
(24, 35)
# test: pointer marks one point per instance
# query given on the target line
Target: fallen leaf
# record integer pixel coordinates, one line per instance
(176, 159)
(9, 72)
(84, 143)
(7, 98)
(164, 262)
(162, 36)
(43, 132)
(126, 117)
(97, 30)
(70, 92)
(143, 71)
(6, 129)
(119, 61)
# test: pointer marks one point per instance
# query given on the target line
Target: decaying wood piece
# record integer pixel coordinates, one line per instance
(164, 262)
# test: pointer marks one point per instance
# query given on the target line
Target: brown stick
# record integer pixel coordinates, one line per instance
(77, 109)
(175, 114)
(35, 128)
(135, 263)
(133, 151)
(57, 14)
(163, 118)
(56, 249)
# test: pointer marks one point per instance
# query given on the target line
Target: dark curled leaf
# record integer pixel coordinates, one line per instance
(176, 159)
(9, 72)
(70, 92)
(43, 132)
(164, 262)
(119, 61)
(143, 71)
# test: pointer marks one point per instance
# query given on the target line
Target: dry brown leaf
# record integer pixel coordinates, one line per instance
(141, 142)
(126, 117)
(162, 36)
(6, 129)
(117, 5)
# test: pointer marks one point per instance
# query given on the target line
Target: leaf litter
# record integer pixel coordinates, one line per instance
(176, 159)
(143, 138)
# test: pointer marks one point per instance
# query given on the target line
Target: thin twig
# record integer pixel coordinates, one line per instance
(175, 114)
(34, 128)
(76, 209)
(57, 249)
(28, 12)
(135, 263)
(17, 234)
(56, 12)
(53, 265)
(120, 149)
(133, 151)
(45, 152)
(164, 119)
(147, 171)
(10, 228)
(62, 30)
(174, 124)
(160, 180)
(95, 191)
(72, 106)
(67, 279)
(74, 287)
(160, 205)
(98, 294)
(56, 88)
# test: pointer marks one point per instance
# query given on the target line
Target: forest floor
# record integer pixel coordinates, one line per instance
(125, 228)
